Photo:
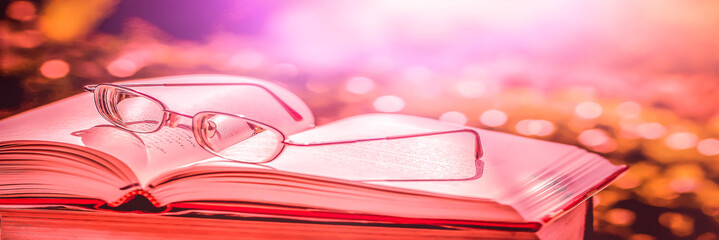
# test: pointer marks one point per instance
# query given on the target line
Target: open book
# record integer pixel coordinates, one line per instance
(65, 153)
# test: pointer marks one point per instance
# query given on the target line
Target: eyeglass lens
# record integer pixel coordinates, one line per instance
(236, 138)
(128, 109)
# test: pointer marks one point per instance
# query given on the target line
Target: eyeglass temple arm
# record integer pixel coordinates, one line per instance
(296, 116)
(478, 146)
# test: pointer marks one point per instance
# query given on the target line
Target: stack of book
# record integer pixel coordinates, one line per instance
(65, 170)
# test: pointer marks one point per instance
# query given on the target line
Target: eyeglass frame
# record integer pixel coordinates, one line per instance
(170, 118)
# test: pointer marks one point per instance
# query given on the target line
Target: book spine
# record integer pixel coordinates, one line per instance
(132, 194)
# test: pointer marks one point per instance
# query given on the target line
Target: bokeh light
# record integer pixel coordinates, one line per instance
(597, 140)
(629, 109)
(454, 117)
(546, 127)
(535, 127)
(55, 69)
(709, 146)
(21, 10)
(641, 236)
(471, 88)
(493, 118)
(593, 137)
(652, 130)
(681, 140)
(683, 184)
(620, 217)
(27, 39)
(360, 85)
(122, 68)
(388, 104)
(680, 224)
(588, 110)
(708, 236)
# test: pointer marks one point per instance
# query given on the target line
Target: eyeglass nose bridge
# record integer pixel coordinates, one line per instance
(173, 118)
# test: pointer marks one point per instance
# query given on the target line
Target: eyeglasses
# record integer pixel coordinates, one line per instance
(230, 136)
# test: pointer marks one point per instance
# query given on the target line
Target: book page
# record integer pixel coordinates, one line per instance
(443, 163)
(536, 177)
(75, 121)
(442, 157)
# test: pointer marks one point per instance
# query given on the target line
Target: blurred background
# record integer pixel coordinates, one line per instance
(635, 81)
